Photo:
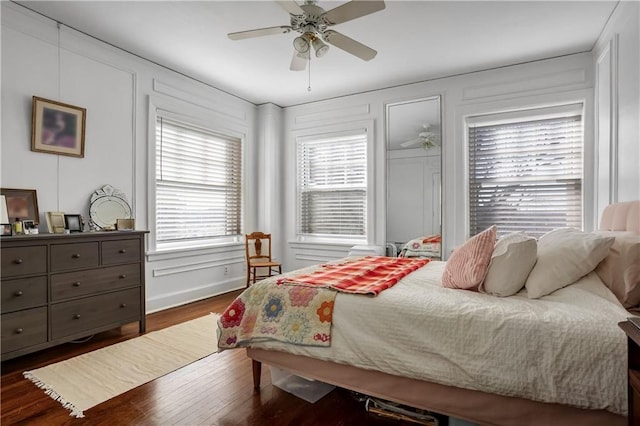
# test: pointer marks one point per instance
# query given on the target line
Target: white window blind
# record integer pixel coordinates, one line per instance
(526, 175)
(198, 183)
(332, 184)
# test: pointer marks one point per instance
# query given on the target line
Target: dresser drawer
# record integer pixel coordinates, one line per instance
(18, 261)
(74, 317)
(121, 251)
(74, 256)
(23, 329)
(83, 283)
(23, 293)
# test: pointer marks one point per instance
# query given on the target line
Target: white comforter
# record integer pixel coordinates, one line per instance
(565, 347)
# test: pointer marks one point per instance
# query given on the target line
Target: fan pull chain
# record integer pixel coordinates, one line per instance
(309, 86)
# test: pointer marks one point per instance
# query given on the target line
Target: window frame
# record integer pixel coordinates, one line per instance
(322, 132)
(211, 121)
(533, 113)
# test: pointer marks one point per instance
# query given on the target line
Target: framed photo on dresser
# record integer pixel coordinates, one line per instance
(21, 204)
(73, 222)
(6, 229)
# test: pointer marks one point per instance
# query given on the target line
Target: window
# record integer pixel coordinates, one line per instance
(332, 184)
(525, 170)
(198, 183)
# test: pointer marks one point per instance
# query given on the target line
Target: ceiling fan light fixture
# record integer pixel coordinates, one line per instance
(313, 22)
(301, 44)
(320, 47)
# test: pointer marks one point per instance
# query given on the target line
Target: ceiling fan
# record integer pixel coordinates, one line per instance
(425, 138)
(313, 22)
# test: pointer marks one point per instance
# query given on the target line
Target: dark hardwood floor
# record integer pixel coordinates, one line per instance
(216, 390)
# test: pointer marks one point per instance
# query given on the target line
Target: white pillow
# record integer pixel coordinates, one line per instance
(564, 255)
(513, 258)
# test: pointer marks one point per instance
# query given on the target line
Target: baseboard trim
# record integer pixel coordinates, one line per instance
(171, 300)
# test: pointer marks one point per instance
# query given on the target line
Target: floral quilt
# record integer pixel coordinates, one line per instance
(268, 312)
(298, 308)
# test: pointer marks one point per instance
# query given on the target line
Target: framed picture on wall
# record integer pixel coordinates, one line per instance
(57, 128)
(21, 204)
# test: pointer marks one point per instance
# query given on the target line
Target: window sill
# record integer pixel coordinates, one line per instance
(342, 242)
(178, 252)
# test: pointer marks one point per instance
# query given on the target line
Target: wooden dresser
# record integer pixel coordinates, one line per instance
(61, 287)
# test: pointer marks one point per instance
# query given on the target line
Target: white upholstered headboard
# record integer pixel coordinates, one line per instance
(621, 217)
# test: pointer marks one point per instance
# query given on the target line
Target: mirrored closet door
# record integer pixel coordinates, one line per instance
(414, 131)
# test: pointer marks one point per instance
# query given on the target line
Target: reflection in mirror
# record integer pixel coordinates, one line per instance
(414, 131)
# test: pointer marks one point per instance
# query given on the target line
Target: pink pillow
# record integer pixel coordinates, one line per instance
(468, 264)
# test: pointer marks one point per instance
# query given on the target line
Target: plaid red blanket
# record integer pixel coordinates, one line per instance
(367, 275)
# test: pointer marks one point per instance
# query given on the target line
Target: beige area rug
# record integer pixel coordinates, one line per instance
(87, 380)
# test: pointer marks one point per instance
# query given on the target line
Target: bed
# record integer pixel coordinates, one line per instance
(556, 360)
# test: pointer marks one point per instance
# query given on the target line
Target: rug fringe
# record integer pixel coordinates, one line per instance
(48, 390)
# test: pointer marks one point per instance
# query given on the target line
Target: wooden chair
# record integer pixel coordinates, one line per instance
(258, 258)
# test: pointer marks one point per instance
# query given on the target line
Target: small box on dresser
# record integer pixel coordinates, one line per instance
(61, 287)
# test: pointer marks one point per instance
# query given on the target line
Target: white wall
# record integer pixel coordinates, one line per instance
(269, 176)
(617, 65)
(106, 89)
(117, 89)
(562, 80)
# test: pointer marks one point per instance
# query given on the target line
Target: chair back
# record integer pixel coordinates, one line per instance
(257, 246)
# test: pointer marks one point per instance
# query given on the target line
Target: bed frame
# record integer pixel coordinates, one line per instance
(465, 404)
(475, 406)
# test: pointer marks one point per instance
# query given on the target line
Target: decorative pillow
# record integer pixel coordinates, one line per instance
(620, 269)
(468, 263)
(564, 255)
(513, 258)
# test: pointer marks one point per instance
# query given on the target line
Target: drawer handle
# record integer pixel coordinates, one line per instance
(76, 316)
(123, 251)
(19, 331)
(76, 284)
(18, 293)
(123, 276)
(76, 255)
(17, 261)
(123, 305)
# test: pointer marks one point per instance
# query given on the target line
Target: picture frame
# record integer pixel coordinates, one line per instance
(73, 222)
(6, 229)
(55, 222)
(125, 224)
(57, 128)
(21, 204)
(4, 215)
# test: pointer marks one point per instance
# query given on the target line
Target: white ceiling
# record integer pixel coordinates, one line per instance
(415, 40)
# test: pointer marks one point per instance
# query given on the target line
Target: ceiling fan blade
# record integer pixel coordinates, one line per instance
(291, 7)
(299, 61)
(349, 45)
(241, 35)
(412, 142)
(352, 10)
